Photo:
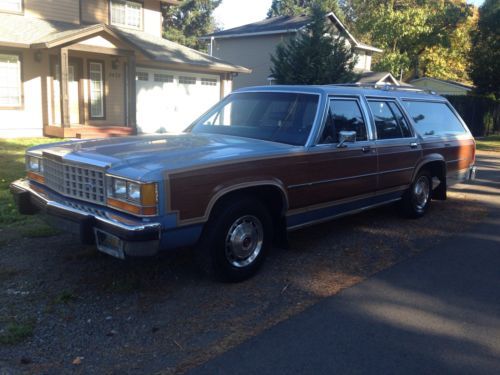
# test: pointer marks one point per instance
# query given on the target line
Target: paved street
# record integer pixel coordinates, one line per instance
(438, 312)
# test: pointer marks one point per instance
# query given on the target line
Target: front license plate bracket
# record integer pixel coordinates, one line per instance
(109, 244)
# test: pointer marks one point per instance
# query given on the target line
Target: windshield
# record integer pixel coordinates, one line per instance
(271, 116)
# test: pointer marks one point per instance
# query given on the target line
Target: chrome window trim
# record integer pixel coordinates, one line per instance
(309, 139)
(363, 110)
(452, 109)
(401, 109)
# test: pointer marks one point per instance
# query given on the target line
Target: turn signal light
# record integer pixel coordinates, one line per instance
(36, 177)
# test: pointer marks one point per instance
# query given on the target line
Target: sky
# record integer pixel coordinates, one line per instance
(233, 13)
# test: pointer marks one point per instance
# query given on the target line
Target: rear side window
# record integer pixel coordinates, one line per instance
(344, 115)
(389, 120)
(434, 119)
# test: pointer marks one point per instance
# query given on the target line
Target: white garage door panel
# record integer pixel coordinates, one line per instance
(169, 101)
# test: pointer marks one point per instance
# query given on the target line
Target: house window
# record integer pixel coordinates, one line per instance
(163, 78)
(10, 80)
(126, 13)
(11, 5)
(96, 90)
(208, 82)
(142, 76)
(187, 80)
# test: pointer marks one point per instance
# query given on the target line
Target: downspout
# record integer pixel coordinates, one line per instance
(212, 39)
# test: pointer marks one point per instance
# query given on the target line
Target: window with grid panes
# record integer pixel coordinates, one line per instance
(10, 80)
(126, 13)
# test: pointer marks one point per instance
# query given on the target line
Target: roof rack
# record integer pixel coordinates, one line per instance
(385, 87)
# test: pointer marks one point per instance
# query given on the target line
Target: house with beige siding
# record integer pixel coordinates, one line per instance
(89, 68)
(441, 86)
(252, 45)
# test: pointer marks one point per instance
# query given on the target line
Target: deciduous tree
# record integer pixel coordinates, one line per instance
(298, 7)
(406, 29)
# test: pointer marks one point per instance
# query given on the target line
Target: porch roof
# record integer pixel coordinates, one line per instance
(26, 32)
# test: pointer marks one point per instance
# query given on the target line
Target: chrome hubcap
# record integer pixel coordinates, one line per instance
(244, 241)
(421, 192)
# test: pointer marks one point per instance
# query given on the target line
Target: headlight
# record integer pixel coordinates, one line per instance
(136, 198)
(34, 164)
(119, 189)
(134, 192)
(34, 167)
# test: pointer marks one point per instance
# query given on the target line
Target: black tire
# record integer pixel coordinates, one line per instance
(236, 257)
(417, 199)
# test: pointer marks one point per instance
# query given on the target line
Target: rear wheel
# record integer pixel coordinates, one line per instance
(235, 240)
(417, 198)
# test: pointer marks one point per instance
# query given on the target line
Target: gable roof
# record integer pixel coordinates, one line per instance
(445, 81)
(166, 51)
(25, 32)
(285, 25)
(377, 78)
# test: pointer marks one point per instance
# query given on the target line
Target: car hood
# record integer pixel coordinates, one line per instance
(139, 156)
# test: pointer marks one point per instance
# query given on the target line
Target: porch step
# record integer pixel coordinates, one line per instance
(103, 132)
(87, 132)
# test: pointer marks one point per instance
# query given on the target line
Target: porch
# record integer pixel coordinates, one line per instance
(91, 88)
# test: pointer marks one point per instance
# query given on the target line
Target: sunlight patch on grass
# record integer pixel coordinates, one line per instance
(491, 143)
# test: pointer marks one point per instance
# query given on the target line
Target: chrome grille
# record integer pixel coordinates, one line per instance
(78, 181)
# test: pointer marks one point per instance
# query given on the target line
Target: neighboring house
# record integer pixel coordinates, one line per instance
(252, 45)
(82, 68)
(378, 78)
(442, 87)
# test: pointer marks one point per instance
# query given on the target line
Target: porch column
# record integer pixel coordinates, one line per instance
(132, 96)
(65, 121)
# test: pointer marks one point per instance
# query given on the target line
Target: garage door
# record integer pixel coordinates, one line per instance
(169, 101)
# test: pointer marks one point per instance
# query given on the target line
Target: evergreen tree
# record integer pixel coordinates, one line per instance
(186, 22)
(299, 7)
(314, 57)
(485, 69)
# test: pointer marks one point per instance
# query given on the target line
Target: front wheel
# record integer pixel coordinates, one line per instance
(235, 240)
(417, 198)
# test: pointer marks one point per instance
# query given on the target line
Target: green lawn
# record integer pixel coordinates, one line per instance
(491, 143)
(11, 168)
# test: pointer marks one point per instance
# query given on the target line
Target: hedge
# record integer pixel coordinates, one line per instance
(481, 114)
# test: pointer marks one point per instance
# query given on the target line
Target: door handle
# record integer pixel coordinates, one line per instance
(414, 145)
(366, 149)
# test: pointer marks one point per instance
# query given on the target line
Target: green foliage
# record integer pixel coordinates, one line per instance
(485, 69)
(298, 7)
(11, 168)
(407, 30)
(314, 57)
(186, 22)
(16, 332)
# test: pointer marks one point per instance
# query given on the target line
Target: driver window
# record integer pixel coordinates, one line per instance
(343, 115)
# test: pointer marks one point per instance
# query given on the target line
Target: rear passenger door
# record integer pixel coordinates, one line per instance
(398, 147)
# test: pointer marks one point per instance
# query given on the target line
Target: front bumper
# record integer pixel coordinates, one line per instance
(112, 233)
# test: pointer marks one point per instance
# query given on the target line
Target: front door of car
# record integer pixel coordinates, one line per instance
(397, 146)
(342, 172)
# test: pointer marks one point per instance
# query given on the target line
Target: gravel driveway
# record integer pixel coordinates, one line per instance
(68, 308)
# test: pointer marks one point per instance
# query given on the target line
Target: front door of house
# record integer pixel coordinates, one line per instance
(74, 75)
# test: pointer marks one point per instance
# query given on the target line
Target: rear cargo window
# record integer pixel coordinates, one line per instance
(434, 119)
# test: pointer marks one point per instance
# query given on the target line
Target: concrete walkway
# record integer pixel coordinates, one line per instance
(438, 312)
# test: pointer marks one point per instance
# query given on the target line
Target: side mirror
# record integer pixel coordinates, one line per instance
(346, 137)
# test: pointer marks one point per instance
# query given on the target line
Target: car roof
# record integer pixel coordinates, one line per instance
(381, 91)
